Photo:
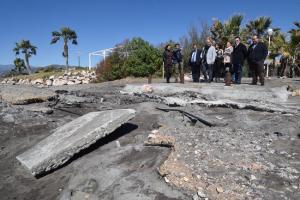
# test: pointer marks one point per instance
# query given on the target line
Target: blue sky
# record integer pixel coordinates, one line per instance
(102, 24)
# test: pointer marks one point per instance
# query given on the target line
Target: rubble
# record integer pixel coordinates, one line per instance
(251, 152)
(83, 77)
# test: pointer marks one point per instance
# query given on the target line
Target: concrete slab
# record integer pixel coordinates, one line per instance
(71, 138)
(216, 91)
(14, 94)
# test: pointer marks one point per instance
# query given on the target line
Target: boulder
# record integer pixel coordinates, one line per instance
(71, 138)
(37, 81)
(49, 82)
(58, 82)
(77, 82)
(12, 82)
(86, 81)
(71, 83)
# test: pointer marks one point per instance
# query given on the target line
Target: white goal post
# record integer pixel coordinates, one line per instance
(103, 53)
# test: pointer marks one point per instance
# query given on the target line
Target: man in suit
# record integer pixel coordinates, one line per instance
(195, 62)
(257, 53)
(239, 54)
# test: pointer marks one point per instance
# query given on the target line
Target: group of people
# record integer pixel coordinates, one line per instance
(213, 61)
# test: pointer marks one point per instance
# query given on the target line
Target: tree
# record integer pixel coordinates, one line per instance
(25, 47)
(259, 26)
(295, 46)
(295, 37)
(195, 35)
(223, 32)
(19, 65)
(67, 35)
(143, 60)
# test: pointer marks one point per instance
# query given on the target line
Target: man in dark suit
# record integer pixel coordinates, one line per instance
(239, 54)
(195, 62)
(257, 53)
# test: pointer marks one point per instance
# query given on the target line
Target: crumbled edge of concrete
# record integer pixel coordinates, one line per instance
(173, 170)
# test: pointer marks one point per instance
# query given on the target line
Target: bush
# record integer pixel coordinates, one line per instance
(136, 58)
(111, 69)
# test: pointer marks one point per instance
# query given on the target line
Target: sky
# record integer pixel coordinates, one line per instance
(101, 24)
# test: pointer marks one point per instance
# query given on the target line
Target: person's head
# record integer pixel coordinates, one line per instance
(195, 47)
(218, 46)
(177, 45)
(228, 44)
(255, 39)
(168, 47)
(209, 41)
(237, 40)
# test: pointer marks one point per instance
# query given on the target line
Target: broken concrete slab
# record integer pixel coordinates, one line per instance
(161, 88)
(25, 95)
(216, 91)
(71, 138)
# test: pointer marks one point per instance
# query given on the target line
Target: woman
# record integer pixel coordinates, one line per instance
(227, 62)
(218, 63)
(168, 62)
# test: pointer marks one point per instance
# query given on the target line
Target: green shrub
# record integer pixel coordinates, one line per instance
(136, 58)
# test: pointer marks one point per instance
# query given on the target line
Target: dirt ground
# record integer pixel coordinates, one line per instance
(247, 154)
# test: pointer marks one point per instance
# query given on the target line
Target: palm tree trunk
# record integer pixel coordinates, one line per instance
(27, 64)
(66, 54)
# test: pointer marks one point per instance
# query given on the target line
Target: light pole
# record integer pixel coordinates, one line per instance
(270, 33)
(78, 58)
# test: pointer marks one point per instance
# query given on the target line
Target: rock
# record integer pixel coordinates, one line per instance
(296, 93)
(37, 81)
(220, 189)
(70, 83)
(147, 88)
(201, 194)
(71, 138)
(252, 177)
(51, 78)
(26, 95)
(8, 118)
(12, 82)
(59, 82)
(26, 82)
(85, 81)
(160, 140)
(77, 82)
(187, 78)
(166, 180)
(3, 82)
(49, 82)
(195, 197)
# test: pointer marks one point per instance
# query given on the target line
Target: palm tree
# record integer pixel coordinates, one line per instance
(295, 45)
(19, 65)
(259, 26)
(295, 36)
(223, 32)
(67, 35)
(28, 50)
